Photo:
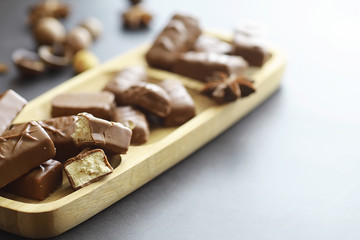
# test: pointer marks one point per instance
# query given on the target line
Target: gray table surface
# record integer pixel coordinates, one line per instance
(288, 170)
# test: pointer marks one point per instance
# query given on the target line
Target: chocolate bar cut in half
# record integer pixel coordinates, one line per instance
(87, 167)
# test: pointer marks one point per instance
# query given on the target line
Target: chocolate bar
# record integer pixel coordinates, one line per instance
(87, 167)
(130, 88)
(11, 104)
(202, 65)
(182, 105)
(100, 104)
(21, 149)
(177, 37)
(125, 79)
(90, 131)
(39, 183)
(140, 131)
(207, 43)
(250, 43)
(60, 130)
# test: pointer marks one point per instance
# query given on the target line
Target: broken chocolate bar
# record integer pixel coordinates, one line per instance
(39, 183)
(181, 103)
(60, 130)
(177, 37)
(112, 137)
(140, 130)
(251, 44)
(100, 104)
(207, 43)
(87, 167)
(10, 105)
(21, 149)
(202, 65)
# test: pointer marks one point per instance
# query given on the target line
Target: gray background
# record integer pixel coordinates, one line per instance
(288, 170)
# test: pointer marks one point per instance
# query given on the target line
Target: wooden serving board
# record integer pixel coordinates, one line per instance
(67, 208)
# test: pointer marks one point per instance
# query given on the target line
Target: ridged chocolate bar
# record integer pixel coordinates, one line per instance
(207, 43)
(177, 37)
(182, 105)
(21, 149)
(202, 65)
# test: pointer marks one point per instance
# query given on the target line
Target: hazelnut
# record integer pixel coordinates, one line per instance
(56, 56)
(3, 68)
(78, 38)
(84, 60)
(47, 8)
(93, 25)
(28, 63)
(49, 31)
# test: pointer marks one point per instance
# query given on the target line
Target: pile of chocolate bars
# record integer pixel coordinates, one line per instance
(88, 128)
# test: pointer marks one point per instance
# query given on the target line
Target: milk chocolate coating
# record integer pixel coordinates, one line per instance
(250, 43)
(125, 79)
(202, 65)
(182, 105)
(93, 174)
(140, 132)
(100, 104)
(60, 130)
(11, 104)
(113, 138)
(21, 149)
(177, 37)
(207, 43)
(39, 183)
(130, 88)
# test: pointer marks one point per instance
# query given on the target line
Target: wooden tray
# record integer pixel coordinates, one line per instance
(166, 147)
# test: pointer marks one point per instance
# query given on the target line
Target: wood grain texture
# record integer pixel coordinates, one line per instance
(166, 146)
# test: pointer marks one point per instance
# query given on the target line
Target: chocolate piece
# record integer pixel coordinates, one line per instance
(136, 17)
(201, 65)
(177, 37)
(21, 149)
(11, 104)
(223, 88)
(91, 131)
(207, 43)
(87, 167)
(123, 80)
(130, 89)
(60, 130)
(39, 183)
(140, 131)
(250, 43)
(100, 104)
(182, 105)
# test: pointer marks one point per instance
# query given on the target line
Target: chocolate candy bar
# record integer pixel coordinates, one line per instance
(90, 131)
(250, 43)
(10, 105)
(39, 183)
(100, 104)
(130, 88)
(60, 130)
(178, 36)
(140, 131)
(87, 167)
(182, 105)
(202, 65)
(21, 149)
(125, 79)
(207, 43)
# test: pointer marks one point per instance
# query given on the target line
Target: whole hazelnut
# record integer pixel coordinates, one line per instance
(49, 31)
(78, 38)
(84, 60)
(93, 25)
